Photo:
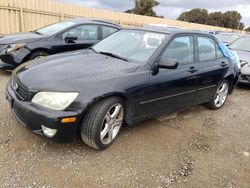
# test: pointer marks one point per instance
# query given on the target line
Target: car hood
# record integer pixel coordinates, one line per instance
(65, 72)
(244, 56)
(20, 38)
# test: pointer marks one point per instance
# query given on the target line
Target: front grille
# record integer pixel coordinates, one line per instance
(21, 90)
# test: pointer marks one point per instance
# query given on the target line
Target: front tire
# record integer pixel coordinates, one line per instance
(38, 55)
(102, 123)
(220, 96)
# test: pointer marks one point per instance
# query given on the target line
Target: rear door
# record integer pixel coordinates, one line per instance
(212, 67)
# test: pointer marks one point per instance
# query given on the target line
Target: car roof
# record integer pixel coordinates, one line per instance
(79, 20)
(225, 33)
(168, 31)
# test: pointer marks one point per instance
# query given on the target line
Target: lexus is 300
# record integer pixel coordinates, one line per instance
(130, 76)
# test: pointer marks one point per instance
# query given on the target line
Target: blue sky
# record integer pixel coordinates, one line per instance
(172, 9)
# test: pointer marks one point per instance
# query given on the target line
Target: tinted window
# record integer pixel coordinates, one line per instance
(131, 44)
(54, 28)
(83, 32)
(206, 49)
(106, 31)
(181, 49)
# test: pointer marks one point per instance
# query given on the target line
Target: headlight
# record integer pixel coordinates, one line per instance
(55, 100)
(14, 47)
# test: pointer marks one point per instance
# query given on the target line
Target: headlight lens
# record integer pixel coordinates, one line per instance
(14, 47)
(55, 100)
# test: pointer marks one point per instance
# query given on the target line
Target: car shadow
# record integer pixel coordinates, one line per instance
(243, 86)
(5, 73)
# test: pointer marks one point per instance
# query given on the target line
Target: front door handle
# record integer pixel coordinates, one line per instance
(192, 70)
(223, 64)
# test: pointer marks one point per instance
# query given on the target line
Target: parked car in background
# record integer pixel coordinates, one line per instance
(227, 38)
(174, 27)
(130, 76)
(74, 34)
(242, 47)
(206, 31)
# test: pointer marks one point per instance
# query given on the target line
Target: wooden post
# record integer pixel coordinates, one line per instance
(21, 16)
(62, 16)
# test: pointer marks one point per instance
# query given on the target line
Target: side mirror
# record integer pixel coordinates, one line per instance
(167, 63)
(71, 39)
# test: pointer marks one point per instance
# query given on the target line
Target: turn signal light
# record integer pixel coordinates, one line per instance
(69, 120)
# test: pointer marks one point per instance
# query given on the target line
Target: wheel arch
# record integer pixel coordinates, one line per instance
(121, 95)
(232, 82)
(26, 58)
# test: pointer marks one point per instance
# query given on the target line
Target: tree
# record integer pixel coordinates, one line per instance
(247, 29)
(229, 19)
(215, 19)
(144, 7)
(195, 16)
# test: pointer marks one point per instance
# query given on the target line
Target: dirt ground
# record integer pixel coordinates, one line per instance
(194, 148)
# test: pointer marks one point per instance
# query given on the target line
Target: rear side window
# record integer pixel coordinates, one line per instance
(106, 31)
(181, 49)
(206, 49)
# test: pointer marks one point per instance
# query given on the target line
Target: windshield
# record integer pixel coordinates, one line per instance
(228, 38)
(241, 44)
(131, 44)
(54, 28)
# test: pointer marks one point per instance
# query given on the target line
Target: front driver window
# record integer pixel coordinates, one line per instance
(181, 49)
(83, 32)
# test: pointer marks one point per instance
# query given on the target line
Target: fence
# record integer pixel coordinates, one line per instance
(27, 15)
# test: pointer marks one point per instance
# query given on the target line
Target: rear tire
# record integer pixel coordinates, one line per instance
(220, 96)
(38, 55)
(102, 123)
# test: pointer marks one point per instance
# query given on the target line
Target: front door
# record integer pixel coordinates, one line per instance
(87, 35)
(174, 89)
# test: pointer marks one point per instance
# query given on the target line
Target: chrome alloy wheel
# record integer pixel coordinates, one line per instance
(112, 123)
(221, 95)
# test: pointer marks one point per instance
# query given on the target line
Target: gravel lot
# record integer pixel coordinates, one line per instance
(194, 148)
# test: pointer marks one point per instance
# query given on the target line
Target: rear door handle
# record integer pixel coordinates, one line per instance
(192, 70)
(223, 64)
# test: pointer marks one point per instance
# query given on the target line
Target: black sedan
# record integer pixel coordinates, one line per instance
(130, 76)
(241, 46)
(74, 34)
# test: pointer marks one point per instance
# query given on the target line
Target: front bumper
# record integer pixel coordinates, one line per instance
(9, 61)
(33, 117)
(6, 66)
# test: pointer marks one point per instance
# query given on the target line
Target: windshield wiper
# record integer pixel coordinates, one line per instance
(113, 55)
(91, 48)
